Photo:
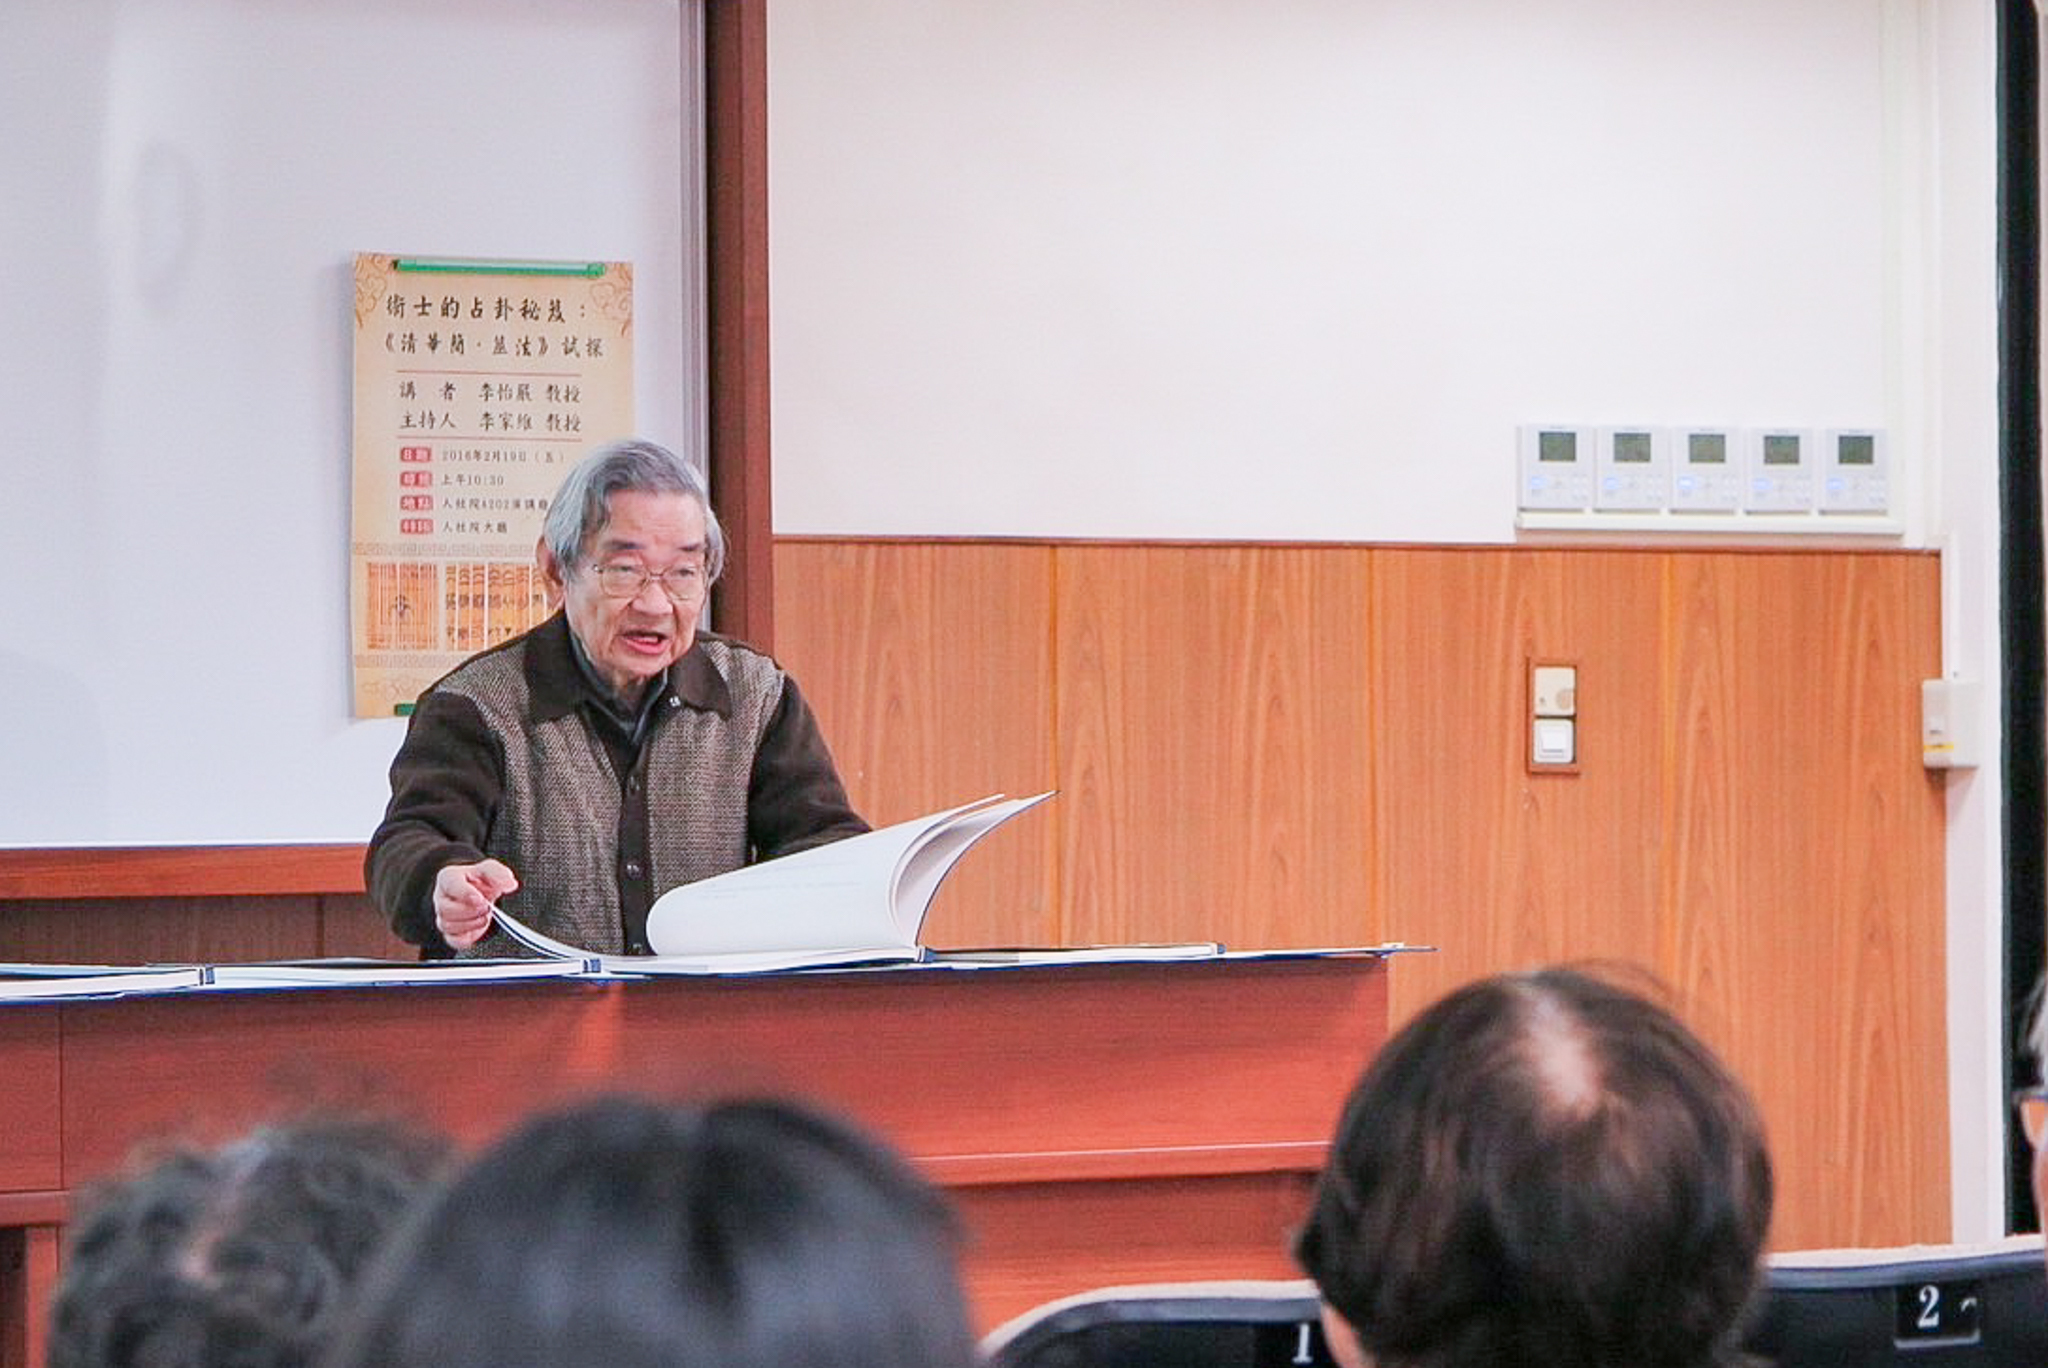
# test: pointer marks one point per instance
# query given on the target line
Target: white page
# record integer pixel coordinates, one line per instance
(371, 974)
(546, 946)
(750, 962)
(118, 984)
(831, 897)
(926, 864)
(1049, 957)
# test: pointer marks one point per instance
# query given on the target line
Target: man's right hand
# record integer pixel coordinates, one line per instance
(464, 895)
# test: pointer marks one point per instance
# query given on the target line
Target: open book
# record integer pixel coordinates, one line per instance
(861, 900)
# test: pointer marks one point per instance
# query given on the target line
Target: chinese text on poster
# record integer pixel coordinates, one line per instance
(477, 386)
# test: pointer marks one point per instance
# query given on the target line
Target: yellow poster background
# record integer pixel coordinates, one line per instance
(477, 385)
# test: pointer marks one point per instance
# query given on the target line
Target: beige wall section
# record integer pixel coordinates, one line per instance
(1314, 745)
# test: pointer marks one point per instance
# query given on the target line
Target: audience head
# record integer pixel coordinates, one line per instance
(625, 1234)
(1541, 1169)
(239, 1257)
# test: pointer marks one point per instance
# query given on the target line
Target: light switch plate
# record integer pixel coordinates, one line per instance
(1554, 743)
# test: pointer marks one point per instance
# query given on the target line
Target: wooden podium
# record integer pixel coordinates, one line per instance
(1095, 1124)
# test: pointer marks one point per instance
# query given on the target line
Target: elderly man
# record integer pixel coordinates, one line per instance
(579, 771)
(1542, 1169)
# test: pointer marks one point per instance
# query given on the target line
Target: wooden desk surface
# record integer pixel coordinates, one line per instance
(1095, 1124)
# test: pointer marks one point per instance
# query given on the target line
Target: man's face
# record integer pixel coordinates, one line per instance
(632, 639)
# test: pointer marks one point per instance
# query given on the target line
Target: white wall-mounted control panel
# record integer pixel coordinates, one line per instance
(1706, 470)
(1556, 466)
(1706, 480)
(1950, 737)
(1855, 474)
(1781, 470)
(1630, 470)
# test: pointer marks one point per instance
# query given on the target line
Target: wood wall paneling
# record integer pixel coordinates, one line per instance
(1032, 1235)
(1215, 762)
(1492, 865)
(929, 667)
(1807, 877)
(1749, 823)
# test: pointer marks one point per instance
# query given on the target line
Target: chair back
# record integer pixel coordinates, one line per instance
(1240, 1324)
(1922, 1306)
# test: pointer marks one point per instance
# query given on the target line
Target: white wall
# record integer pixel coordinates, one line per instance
(1958, 214)
(1196, 268)
(1297, 269)
(183, 187)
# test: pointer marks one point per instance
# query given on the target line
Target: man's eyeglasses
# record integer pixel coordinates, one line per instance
(682, 583)
(2033, 1109)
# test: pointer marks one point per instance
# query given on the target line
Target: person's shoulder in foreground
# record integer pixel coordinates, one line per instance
(243, 1255)
(622, 1233)
(1542, 1169)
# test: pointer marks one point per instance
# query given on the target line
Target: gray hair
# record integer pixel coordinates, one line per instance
(583, 503)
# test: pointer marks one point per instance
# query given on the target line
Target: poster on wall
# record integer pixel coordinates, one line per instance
(477, 385)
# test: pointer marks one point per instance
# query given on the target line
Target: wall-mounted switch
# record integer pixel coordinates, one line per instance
(1554, 690)
(1554, 742)
(1553, 717)
(1949, 723)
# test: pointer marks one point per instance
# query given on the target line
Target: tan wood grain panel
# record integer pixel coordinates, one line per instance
(1497, 867)
(1214, 756)
(928, 665)
(1032, 1247)
(1806, 922)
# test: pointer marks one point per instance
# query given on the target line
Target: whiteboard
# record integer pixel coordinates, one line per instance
(186, 183)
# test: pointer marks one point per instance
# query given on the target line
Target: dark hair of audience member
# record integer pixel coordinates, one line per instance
(1543, 1168)
(624, 1234)
(244, 1256)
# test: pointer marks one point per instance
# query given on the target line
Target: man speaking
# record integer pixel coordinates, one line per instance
(577, 772)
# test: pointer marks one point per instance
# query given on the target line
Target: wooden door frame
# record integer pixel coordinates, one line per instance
(736, 290)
